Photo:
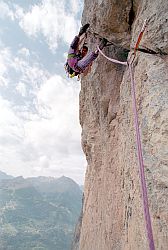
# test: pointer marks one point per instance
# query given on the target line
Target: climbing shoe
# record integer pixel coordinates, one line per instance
(83, 29)
(103, 43)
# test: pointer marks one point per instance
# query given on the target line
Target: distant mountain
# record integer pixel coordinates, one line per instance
(38, 213)
(4, 176)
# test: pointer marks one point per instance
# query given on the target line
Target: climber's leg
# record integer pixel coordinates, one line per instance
(74, 43)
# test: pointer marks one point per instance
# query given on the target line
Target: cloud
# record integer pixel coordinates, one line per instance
(13, 67)
(46, 142)
(40, 131)
(21, 88)
(21, 70)
(6, 11)
(10, 120)
(5, 61)
(24, 52)
(44, 146)
(56, 20)
(57, 137)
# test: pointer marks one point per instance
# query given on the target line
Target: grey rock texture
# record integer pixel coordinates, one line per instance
(112, 211)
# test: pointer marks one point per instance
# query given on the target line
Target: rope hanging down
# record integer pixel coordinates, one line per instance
(138, 142)
(141, 166)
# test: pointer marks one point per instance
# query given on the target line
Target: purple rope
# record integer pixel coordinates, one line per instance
(141, 166)
(140, 156)
(111, 59)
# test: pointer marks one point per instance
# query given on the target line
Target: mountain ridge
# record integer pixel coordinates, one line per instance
(38, 213)
(3, 176)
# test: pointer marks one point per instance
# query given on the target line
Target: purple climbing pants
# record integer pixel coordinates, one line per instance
(79, 65)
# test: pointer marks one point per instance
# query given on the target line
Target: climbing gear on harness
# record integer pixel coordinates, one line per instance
(138, 141)
(70, 72)
(83, 29)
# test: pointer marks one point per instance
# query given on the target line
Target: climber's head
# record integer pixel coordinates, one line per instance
(84, 50)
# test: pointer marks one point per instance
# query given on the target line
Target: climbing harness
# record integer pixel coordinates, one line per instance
(69, 71)
(138, 140)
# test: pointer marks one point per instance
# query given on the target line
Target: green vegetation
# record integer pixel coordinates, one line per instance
(38, 213)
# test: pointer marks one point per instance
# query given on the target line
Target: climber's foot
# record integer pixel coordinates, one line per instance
(83, 29)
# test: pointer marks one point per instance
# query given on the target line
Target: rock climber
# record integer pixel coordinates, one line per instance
(79, 61)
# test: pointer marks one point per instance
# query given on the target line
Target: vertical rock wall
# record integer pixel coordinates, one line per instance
(112, 210)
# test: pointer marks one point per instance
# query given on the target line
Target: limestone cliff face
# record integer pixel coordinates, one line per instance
(112, 211)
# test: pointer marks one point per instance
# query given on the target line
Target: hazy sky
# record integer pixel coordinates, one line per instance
(39, 106)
